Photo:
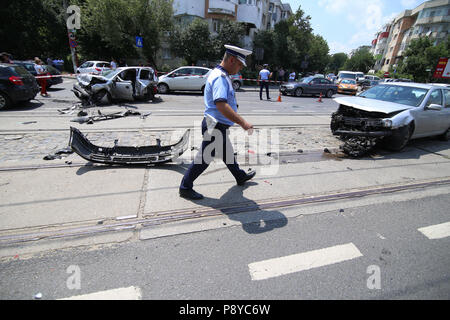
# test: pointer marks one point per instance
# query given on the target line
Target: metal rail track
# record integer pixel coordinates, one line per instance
(160, 218)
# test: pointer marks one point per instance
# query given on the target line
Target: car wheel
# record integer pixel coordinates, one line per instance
(399, 138)
(5, 102)
(236, 85)
(329, 93)
(163, 88)
(102, 96)
(298, 92)
(446, 135)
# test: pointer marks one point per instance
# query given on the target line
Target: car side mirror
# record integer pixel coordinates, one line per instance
(434, 106)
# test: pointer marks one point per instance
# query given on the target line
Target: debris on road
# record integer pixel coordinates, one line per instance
(107, 116)
(151, 154)
(58, 154)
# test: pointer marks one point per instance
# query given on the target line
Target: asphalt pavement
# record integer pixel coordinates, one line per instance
(303, 207)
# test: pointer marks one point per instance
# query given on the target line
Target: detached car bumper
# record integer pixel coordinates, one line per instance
(126, 155)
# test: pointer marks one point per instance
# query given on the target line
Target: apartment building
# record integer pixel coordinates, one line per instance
(430, 19)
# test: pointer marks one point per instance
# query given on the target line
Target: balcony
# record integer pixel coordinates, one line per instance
(222, 7)
(250, 14)
(430, 20)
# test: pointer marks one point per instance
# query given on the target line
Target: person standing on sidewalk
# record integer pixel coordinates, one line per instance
(220, 115)
(263, 80)
(40, 70)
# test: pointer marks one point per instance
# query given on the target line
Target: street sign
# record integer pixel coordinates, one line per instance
(139, 42)
(386, 74)
(73, 43)
(442, 69)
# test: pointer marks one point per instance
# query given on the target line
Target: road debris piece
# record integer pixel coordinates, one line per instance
(38, 296)
(58, 154)
(108, 116)
(151, 154)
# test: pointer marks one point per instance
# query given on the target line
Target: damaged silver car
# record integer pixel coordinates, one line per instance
(129, 84)
(392, 114)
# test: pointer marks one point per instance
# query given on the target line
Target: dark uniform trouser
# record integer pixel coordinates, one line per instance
(200, 163)
(263, 84)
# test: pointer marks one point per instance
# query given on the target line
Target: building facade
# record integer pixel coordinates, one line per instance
(256, 15)
(430, 19)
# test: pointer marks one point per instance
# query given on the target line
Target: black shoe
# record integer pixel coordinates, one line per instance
(269, 98)
(249, 175)
(190, 194)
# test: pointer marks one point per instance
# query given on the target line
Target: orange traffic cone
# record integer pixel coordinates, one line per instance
(279, 97)
(320, 98)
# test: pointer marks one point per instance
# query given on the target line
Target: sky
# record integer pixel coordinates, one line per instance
(349, 24)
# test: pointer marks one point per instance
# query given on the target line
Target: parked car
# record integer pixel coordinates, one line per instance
(309, 85)
(347, 86)
(94, 67)
(237, 81)
(370, 77)
(16, 85)
(128, 83)
(359, 77)
(367, 84)
(29, 65)
(184, 79)
(394, 113)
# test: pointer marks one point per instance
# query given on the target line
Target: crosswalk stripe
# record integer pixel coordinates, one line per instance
(303, 261)
(437, 231)
(130, 293)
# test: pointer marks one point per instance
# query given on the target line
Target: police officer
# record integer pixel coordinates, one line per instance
(263, 79)
(220, 114)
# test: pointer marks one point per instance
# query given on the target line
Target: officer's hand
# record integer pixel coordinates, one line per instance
(246, 126)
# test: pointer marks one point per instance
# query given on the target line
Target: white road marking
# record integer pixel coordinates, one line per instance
(263, 110)
(130, 293)
(437, 231)
(303, 261)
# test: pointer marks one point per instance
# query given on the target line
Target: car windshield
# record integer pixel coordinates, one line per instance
(348, 81)
(348, 76)
(306, 80)
(411, 96)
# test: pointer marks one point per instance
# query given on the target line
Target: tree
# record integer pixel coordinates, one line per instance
(193, 42)
(421, 56)
(362, 60)
(109, 27)
(337, 62)
(230, 33)
(318, 54)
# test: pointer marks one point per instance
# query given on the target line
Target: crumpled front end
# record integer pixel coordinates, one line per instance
(361, 130)
(126, 155)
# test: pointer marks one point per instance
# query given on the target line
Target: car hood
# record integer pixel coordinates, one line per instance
(85, 78)
(372, 105)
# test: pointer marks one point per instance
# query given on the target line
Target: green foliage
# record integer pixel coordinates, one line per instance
(318, 54)
(362, 60)
(337, 62)
(421, 56)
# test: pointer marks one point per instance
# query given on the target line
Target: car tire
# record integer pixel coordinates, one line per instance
(101, 97)
(399, 138)
(445, 136)
(5, 102)
(298, 92)
(163, 88)
(236, 85)
(329, 93)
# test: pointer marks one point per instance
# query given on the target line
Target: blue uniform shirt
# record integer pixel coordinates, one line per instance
(219, 88)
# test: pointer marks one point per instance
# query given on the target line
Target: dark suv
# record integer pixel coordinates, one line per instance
(16, 85)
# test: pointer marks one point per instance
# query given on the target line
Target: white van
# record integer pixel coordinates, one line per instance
(346, 75)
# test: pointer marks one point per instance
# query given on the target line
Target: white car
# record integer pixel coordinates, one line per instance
(94, 67)
(184, 79)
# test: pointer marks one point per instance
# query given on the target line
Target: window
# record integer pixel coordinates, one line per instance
(447, 98)
(435, 98)
(145, 74)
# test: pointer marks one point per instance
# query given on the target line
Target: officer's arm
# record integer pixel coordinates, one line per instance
(231, 115)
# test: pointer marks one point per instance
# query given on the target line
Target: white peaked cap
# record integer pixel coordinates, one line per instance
(240, 53)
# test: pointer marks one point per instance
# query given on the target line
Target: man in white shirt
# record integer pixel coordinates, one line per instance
(263, 81)
(292, 76)
(113, 64)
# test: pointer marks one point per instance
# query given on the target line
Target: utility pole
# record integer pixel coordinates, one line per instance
(71, 35)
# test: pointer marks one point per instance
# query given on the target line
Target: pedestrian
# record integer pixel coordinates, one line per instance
(292, 76)
(41, 74)
(263, 81)
(220, 114)
(5, 57)
(281, 75)
(113, 64)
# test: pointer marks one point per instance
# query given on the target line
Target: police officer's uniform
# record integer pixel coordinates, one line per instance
(264, 75)
(218, 88)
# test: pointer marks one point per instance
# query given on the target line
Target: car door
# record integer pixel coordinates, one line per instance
(180, 79)
(198, 78)
(446, 110)
(122, 89)
(428, 122)
(314, 86)
(143, 81)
